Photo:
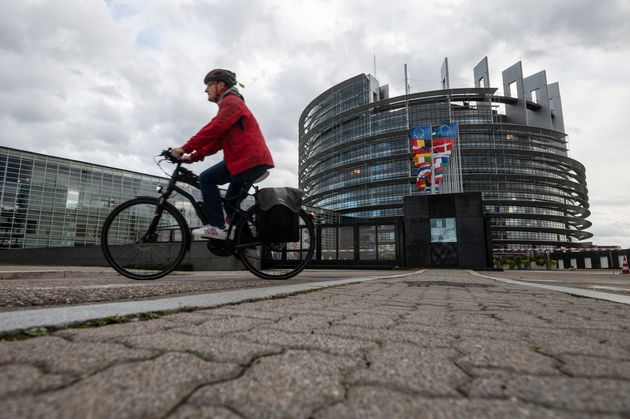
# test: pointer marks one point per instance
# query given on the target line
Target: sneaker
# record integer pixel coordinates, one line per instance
(210, 232)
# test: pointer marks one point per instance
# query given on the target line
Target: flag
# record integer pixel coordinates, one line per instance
(419, 144)
(420, 133)
(423, 181)
(445, 131)
(443, 145)
(440, 161)
(432, 148)
(424, 172)
(420, 138)
(419, 159)
(443, 138)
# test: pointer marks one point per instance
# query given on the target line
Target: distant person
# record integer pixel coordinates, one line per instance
(245, 154)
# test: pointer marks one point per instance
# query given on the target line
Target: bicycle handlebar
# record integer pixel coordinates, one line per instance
(168, 156)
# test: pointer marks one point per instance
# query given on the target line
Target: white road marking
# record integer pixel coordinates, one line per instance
(616, 298)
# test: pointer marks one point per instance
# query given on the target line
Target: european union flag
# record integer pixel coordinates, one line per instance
(420, 133)
(446, 131)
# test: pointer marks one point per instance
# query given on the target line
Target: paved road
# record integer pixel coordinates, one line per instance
(34, 287)
(435, 344)
(597, 280)
(26, 287)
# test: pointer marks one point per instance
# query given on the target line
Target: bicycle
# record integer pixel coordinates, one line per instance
(147, 237)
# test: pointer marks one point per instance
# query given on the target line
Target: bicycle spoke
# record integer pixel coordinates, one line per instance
(138, 253)
(276, 260)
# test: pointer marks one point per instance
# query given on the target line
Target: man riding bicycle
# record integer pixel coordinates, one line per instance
(245, 154)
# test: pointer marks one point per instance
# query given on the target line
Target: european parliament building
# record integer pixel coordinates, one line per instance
(355, 153)
(54, 202)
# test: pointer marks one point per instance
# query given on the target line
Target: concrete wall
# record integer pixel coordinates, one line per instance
(198, 259)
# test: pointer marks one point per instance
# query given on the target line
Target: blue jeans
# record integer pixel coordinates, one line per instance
(219, 174)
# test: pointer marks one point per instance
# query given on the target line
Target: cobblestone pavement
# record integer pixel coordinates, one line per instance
(437, 344)
(93, 285)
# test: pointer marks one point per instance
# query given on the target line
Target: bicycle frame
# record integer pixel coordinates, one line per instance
(184, 175)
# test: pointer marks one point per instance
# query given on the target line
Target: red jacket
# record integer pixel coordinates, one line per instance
(235, 131)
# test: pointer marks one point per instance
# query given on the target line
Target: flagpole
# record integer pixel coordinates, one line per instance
(408, 124)
(450, 115)
(433, 184)
(459, 166)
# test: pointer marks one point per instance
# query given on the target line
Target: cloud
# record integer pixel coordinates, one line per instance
(611, 225)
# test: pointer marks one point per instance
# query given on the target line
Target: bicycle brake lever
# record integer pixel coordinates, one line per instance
(168, 156)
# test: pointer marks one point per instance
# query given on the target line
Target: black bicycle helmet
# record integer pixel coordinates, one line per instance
(226, 76)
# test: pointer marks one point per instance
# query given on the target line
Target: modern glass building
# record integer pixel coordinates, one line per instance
(53, 202)
(355, 153)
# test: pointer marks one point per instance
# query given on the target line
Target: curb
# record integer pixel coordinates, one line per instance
(57, 317)
(50, 273)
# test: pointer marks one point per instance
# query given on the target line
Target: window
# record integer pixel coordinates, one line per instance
(346, 243)
(512, 91)
(443, 230)
(72, 199)
(534, 94)
(367, 242)
(31, 226)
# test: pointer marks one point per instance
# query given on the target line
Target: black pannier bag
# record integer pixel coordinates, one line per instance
(278, 219)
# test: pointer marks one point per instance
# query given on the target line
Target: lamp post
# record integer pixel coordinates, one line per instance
(548, 263)
(612, 267)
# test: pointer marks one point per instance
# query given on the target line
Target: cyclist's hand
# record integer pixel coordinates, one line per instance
(178, 153)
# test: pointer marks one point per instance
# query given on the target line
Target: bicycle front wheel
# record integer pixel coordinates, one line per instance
(142, 239)
(274, 260)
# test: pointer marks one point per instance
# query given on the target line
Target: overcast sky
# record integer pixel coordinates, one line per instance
(114, 82)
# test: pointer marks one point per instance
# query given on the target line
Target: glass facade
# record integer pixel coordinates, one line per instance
(53, 202)
(355, 159)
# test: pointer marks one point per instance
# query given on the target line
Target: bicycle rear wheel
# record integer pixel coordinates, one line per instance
(141, 242)
(274, 260)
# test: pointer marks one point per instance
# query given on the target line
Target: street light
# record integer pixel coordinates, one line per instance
(548, 263)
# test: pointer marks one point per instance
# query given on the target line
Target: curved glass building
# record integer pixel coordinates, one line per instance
(355, 154)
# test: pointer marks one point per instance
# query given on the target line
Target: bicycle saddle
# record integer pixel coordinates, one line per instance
(261, 177)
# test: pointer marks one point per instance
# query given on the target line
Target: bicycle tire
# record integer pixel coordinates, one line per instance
(275, 261)
(131, 253)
